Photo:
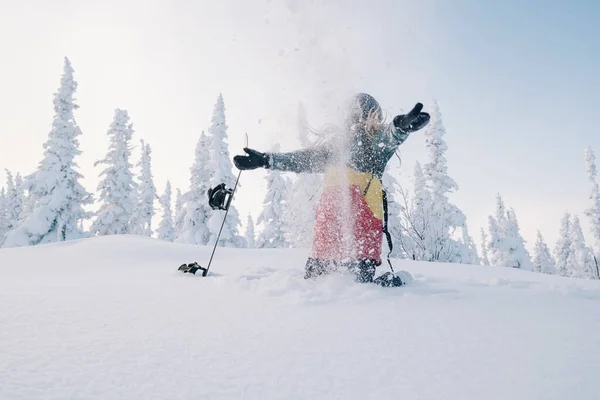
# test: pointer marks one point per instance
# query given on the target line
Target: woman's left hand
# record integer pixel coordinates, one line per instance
(413, 121)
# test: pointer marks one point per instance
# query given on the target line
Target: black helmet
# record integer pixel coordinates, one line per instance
(362, 105)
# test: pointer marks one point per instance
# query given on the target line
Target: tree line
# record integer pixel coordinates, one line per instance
(50, 204)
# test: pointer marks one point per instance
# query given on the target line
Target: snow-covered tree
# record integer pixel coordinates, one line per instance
(468, 250)
(56, 196)
(393, 192)
(496, 243)
(484, 249)
(3, 215)
(580, 262)
(272, 215)
(445, 217)
(507, 246)
(166, 230)
(416, 220)
(191, 221)
(146, 193)
(542, 259)
(593, 212)
(249, 234)
(178, 221)
(562, 249)
(13, 202)
(117, 187)
(221, 169)
(21, 198)
(519, 253)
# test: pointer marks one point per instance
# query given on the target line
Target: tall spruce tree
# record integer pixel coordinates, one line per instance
(56, 196)
(146, 193)
(445, 217)
(221, 169)
(118, 190)
(191, 222)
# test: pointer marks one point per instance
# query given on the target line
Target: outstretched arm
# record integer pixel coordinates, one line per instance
(403, 125)
(309, 160)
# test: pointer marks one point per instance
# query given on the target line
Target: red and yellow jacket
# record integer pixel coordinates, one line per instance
(349, 220)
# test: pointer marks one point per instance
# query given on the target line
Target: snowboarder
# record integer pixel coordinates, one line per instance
(349, 222)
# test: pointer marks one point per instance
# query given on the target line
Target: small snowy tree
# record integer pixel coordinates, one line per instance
(562, 249)
(13, 202)
(191, 221)
(166, 230)
(445, 217)
(56, 195)
(542, 259)
(221, 169)
(272, 215)
(468, 249)
(496, 244)
(249, 234)
(117, 187)
(519, 255)
(178, 212)
(393, 192)
(507, 246)
(580, 263)
(416, 220)
(21, 198)
(3, 215)
(146, 193)
(484, 249)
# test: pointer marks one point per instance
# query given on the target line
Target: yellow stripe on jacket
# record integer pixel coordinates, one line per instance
(344, 176)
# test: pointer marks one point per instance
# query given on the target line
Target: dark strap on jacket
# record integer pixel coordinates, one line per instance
(385, 220)
(385, 228)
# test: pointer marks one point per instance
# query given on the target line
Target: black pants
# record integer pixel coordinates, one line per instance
(364, 270)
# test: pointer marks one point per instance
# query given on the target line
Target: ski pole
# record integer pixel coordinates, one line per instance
(205, 270)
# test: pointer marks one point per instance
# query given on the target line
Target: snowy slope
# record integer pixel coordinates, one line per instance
(110, 318)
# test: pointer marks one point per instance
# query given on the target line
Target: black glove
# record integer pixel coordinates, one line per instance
(253, 160)
(413, 121)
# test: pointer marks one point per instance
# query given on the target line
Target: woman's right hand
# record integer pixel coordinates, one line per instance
(253, 160)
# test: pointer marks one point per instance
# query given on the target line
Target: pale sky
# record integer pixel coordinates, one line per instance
(516, 83)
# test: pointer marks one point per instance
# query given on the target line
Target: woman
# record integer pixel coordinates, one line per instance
(349, 228)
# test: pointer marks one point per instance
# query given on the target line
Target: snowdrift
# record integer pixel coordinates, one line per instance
(111, 318)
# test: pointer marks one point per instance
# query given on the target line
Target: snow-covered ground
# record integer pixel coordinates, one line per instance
(111, 318)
